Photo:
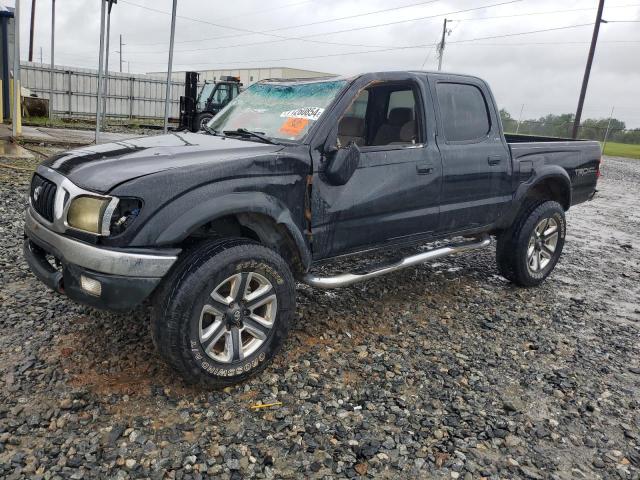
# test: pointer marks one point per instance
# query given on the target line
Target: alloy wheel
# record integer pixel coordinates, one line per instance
(237, 317)
(542, 244)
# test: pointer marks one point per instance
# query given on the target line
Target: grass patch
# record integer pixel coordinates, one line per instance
(628, 150)
(56, 122)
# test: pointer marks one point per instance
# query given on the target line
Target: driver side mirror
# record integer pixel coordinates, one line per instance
(341, 163)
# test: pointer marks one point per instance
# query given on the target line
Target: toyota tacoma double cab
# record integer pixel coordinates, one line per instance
(215, 228)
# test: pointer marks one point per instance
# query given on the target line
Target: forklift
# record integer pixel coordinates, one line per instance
(197, 108)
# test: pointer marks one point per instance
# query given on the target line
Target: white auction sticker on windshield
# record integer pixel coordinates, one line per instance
(310, 113)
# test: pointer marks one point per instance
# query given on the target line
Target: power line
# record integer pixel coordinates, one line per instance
(430, 46)
(528, 14)
(307, 37)
(265, 32)
(405, 47)
(359, 15)
(523, 33)
(522, 44)
(253, 32)
(243, 15)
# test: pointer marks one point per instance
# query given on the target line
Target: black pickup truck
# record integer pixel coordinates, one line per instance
(214, 228)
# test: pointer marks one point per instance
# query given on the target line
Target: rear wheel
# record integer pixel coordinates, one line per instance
(224, 312)
(528, 252)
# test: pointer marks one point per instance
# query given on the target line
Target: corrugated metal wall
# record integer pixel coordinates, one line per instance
(75, 92)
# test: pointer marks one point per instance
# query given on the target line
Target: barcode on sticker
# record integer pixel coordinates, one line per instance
(310, 113)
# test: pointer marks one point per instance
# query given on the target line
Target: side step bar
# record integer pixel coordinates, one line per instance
(350, 278)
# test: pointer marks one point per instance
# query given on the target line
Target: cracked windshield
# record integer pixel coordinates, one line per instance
(277, 110)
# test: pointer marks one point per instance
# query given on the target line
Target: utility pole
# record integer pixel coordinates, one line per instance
(41, 56)
(16, 120)
(519, 119)
(106, 65)
(606, 133)
(120, 52)
(100, 61)
(167, 98)
(53, 36)
(587, 70)
(441, 44)
(33, 21)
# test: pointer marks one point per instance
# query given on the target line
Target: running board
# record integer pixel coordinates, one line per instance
(350, 278)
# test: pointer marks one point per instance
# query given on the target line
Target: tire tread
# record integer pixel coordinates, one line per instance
(166, 325)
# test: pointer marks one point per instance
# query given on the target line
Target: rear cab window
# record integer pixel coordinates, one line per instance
(463, 111)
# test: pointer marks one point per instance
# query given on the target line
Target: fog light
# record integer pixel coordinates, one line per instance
(90, 285)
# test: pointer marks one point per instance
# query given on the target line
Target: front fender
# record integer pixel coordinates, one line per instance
(190, 220)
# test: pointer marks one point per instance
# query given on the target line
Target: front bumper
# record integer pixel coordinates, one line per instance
(126, 276)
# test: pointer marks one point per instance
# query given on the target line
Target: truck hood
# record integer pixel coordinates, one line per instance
(100, 168)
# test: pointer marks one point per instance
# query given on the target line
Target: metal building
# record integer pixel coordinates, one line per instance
(249, 75)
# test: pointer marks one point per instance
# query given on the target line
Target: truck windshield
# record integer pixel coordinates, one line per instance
(277, 110)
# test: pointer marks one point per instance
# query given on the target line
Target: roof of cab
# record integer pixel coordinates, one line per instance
(350, 78)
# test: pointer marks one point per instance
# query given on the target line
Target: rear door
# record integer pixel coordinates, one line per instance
(393, 195)
(475, 158)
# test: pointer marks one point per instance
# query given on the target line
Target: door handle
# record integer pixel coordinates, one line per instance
(424, 168)
(494, 159)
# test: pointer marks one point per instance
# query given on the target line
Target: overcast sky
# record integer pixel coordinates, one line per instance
(541, 70)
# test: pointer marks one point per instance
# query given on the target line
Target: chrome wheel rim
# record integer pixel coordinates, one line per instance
(542, 244)
(237, 317)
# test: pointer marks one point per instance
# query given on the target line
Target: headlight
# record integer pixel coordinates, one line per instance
(87, 213)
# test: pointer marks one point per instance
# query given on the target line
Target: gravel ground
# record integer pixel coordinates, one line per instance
(441, 371)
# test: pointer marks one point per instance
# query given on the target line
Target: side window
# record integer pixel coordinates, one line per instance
(402, 99)
(383, 114)
(399, 122)
(352, 125)
(464, 112)
(358, 108)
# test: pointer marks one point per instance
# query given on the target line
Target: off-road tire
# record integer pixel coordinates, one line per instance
(513, 244)
(176, 314)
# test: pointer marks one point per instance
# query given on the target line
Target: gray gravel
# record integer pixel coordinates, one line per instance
(441, 371)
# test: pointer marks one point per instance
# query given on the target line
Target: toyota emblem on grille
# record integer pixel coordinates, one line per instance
(36, 193)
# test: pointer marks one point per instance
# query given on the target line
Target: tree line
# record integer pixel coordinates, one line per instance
(562, 125)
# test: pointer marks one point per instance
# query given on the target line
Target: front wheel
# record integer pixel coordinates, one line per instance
(224, 312)
(527, 252)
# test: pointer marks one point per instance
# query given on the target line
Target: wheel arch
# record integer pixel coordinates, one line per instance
(553, 183)
(253, 215)
(554, 186)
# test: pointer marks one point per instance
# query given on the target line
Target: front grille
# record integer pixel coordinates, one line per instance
(43, 194)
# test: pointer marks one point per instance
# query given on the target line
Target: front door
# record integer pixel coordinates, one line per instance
(393, 195)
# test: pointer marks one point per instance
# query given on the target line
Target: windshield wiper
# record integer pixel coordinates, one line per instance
(249, 133)
(208, 129)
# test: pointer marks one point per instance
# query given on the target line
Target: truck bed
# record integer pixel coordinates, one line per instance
(520, 138)
(579, 158)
